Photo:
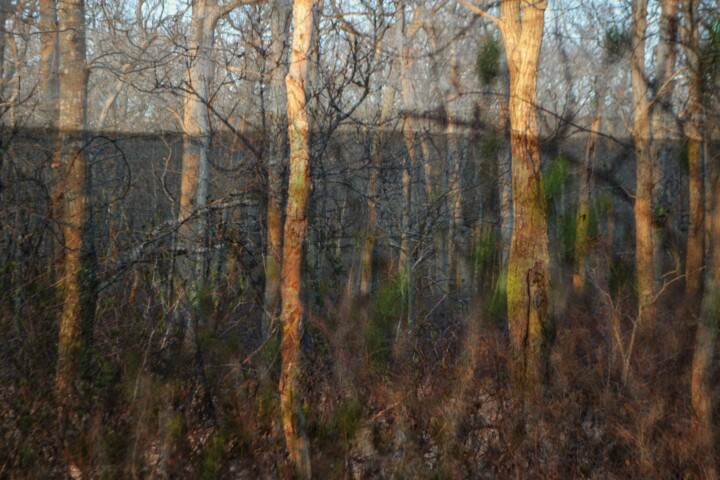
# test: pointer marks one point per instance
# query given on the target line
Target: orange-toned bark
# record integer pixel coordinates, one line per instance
(644, 170)
(71, 158)
(294, 236)
(527, 288)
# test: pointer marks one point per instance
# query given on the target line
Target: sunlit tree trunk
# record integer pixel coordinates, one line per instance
(527, 283)
(294, 235)
(695, 248)
(75, 283)
(276, 154)
(644, 168)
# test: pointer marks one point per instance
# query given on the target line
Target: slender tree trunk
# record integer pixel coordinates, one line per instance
(191, 302)
(195, 175)
(704, 369)
(431, 167)
(75, 285)
(504, 160)
(276, 154)
(457, 238)
(406, 261)
(527, 283)
(378, 136)
(5, 8)
(703, 398)
(49, 83)
(664, 143)
(583, 215)
(294, 236)
(409, 134)
(644, 170)
(695, 248)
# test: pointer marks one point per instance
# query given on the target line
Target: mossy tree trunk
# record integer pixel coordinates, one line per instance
(529, 323)
(294, 235)
(528, 265)
(583, 214)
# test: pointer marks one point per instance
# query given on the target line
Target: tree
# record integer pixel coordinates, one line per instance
(276, 151)
(294, 236)
(49, 61)
(664, 140)
(195, 175)
(644, 167)
(76, 282)
(521, 25)
(693, 128)
(379, 133)
(702, 388)
(73, 109)
(707, 335)
(406, 262)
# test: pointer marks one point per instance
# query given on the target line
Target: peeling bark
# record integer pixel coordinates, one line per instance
(294, 235)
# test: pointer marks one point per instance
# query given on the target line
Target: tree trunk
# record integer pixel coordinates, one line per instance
(190, 294)
(504, 163)
(704, 369)
(527, 282)
(703, 397)
(644, 170)
(378, 136)
(75, 285)
(294, 236)
(457, 247)
(664, 143)
(406, 258)
(276, 154)
(49, 85)
(583, 215)
(695, 248)
(195, 175)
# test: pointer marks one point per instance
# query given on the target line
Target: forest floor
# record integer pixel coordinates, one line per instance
(436, 402)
